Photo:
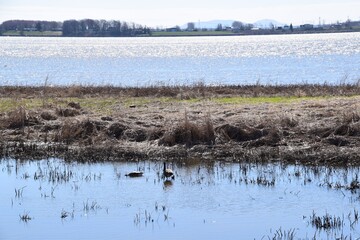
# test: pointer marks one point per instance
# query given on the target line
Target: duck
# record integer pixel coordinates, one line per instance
(134, 174)
(168, 173)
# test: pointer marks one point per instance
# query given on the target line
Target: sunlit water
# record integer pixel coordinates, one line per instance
(205, 201)
(284, 59)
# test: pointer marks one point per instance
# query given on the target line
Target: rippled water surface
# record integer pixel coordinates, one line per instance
(284, 59)
(52, 199)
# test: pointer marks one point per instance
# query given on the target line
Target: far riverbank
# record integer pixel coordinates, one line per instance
(207, 33)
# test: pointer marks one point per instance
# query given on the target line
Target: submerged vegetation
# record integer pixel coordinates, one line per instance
(25, 217)
(73, 191)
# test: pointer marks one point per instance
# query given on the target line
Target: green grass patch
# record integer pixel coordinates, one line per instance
(194, 33)
(11, 33)
(99, 105)
(9, 104)
(170, 100)
(260, 100)
(33, 33)
(138, 101)
(107, 105)
(141, 101)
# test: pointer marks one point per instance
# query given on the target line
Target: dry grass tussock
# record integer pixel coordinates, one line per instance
(190, 133)
(347, 125)
(19, 118)
(74, 130)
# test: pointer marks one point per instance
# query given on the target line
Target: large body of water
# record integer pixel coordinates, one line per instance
(52, 199)
(284, 59)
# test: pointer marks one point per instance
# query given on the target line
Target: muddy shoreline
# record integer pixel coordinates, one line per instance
(317, 125)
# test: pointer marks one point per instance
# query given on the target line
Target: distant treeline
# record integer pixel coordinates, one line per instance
(102, 28)
(30, 25)
(78, 28)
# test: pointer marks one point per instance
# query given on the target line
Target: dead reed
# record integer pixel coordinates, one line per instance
(326, 222)
(25, 217)
(284, 234)
(19, 192)
(64, 214)
(93, 206)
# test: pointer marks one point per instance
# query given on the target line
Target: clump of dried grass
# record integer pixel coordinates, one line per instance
(74, 105)
(351, 117)
(135, 135)
(240, 133)
(288, 121)
(189, 133)
(348, 124)
(155, 133)
(48, 115)
(17, 118)
(77, 130)
(116, 130)
(67, 112)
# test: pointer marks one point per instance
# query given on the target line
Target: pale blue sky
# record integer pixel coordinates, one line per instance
(177, 12)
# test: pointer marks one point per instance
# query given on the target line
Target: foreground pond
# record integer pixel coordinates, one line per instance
(52, 199)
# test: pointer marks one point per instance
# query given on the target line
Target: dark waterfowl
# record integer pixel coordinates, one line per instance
(168, 173)
(134, 174)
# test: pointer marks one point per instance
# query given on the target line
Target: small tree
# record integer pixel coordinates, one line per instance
(272, 26)
(71, 28)
(237, 25)
(190, 26)
(219, 27)
(38, 26)
(291, 27)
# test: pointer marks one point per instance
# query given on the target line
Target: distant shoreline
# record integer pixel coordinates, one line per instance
(183, 33)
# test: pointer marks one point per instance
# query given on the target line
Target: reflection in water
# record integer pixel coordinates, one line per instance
(209, 200)
(168, 184)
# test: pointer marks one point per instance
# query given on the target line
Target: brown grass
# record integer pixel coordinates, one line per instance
(311, 129)
(190, 133)
(17, 118)
(195, 90)
(79, 131)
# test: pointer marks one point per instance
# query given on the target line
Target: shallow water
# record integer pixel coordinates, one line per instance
(205, 201)
(270, 59)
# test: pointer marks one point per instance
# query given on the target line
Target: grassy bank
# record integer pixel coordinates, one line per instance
(105, 104)
(193, 33)
(184, 91)
(309, 124)
(185, 33)
(103, 98)
(33, 33)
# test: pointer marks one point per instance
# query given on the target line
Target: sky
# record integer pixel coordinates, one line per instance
(168, 13)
